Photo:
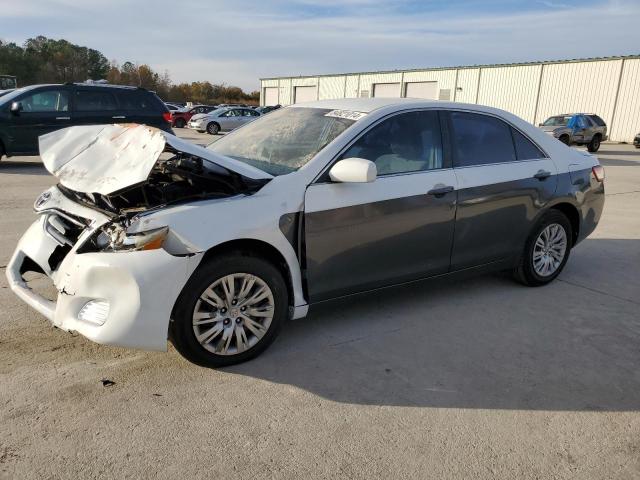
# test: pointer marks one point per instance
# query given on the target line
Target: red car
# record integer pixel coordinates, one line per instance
(179, 118)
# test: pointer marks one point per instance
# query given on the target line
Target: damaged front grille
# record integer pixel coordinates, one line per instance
(65, 230)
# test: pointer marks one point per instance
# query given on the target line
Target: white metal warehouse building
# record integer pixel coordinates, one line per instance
(608, 87)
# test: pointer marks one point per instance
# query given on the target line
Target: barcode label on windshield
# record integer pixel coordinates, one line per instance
(349, 114)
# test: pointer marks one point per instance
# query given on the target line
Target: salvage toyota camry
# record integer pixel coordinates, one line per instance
(148, 238)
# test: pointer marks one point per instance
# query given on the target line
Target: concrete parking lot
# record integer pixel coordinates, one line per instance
(481, 378)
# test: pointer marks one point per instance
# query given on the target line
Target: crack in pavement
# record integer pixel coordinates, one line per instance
(601, 292)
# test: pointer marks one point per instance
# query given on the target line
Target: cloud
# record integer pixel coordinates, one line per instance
(239, 42)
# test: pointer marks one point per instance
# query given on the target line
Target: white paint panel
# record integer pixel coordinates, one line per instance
(427, 90)
(626, 121)
(386, 90)
(270, 95)
(305, 94)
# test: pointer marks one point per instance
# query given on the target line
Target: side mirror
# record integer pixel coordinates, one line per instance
(353, 170)
(16, 107)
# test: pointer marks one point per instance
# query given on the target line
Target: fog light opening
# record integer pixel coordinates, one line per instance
(94, 312)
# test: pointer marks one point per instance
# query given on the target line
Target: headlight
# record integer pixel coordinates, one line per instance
(113, 238)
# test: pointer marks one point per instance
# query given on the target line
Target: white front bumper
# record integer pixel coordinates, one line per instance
(140, 286)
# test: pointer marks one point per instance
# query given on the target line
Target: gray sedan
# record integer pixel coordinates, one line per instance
(222, 120)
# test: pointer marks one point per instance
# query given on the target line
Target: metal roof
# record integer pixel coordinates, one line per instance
(463, 67)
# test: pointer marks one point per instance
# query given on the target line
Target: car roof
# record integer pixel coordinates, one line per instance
(368, 105)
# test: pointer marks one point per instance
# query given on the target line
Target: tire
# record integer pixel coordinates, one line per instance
(216, 323)
(526, 271)
(213, 128)
(565, 139)
(180, 123)
(1, 151)
(594, 144)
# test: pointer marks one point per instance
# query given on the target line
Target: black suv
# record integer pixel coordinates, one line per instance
(27, 113)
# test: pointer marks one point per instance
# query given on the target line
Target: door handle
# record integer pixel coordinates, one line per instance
(63, 118)
(542, 175)
(119, 117)
(440, 191)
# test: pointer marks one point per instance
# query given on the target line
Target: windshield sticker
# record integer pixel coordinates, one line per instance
(349, 114)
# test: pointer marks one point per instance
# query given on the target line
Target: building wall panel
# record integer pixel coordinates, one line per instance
(588, 87)
(514, 89)
(467, 85)
(626, 120)
(331, 87)
(564, 87)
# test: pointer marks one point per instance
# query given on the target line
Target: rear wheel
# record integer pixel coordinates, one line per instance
(230, 311)
(180, 123)
(213, 128)
(546, 250)
(594, 144)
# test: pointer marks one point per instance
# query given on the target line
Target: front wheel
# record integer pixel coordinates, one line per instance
(230, 311)
(546, 250)
(565, 139)
(213, 128)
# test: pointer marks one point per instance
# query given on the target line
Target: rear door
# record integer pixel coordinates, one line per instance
(360, 236)
(504, 180)
(139, 106)
(43, 111)
(96, 106)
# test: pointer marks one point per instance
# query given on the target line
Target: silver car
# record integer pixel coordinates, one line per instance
(222, 120)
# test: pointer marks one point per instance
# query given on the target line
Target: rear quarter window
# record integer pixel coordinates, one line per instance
(525, 149)
(137, 100)
(597, 120)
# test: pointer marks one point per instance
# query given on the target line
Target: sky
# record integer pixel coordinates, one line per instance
(238, 42)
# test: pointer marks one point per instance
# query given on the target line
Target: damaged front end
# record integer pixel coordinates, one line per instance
(112, 178)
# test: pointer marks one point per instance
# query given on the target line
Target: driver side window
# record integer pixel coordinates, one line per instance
(404, 143)
(46, 101)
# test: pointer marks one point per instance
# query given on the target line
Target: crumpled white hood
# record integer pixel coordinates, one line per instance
(106, 158)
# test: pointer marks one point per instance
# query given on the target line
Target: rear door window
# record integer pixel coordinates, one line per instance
(525, 149)
(95, 101)
(480, 139)
(597, 120)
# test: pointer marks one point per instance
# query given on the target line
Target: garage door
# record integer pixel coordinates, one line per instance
(305, 94)
(427, 90)
(386, 90)
(271, 96)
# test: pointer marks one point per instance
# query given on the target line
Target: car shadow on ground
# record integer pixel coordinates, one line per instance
(485, 343)
(11, 167)
(617, 162)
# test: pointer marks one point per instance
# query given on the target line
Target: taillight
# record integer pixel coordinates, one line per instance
(167, 116)
(598, 172)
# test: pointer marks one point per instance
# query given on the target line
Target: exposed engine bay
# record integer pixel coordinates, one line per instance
(179, 178)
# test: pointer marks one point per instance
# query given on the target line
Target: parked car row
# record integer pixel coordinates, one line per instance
(181, 116)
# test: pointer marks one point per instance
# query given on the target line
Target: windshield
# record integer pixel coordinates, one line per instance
(284, 140)
(8, 98)
(559, 121)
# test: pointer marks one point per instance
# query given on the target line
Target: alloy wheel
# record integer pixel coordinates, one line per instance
(233, 314)
(549, 250)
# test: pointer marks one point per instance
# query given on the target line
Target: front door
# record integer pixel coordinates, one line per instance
(40, 112)
(361, 236)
